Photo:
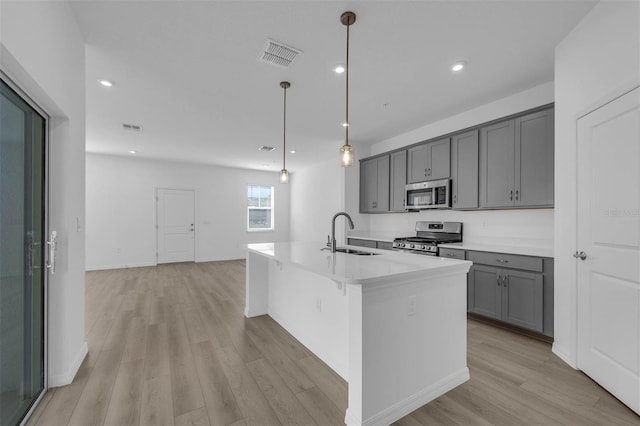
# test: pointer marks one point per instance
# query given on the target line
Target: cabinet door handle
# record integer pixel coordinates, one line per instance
(455, 198)
(498, 279)
(517, 195)
(429, 171)
(502, 260)
(511, 195)
(504, 280)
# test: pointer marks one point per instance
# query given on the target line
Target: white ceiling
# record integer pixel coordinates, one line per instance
(187, 71)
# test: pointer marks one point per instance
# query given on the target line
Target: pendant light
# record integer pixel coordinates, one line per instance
(346, 152)
(284, 174)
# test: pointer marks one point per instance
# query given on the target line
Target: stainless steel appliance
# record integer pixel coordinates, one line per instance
(428, 195)
(428, 236)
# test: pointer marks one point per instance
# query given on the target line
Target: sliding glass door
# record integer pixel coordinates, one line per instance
(22, 251)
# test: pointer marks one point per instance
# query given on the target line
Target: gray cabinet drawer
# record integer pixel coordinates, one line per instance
(452, 253)
(503, 260)
(385, 245)
(361, 243)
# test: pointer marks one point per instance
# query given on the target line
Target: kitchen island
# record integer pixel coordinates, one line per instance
(393, 325)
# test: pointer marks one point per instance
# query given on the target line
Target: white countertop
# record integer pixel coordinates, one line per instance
(499, 248)
(353, 269)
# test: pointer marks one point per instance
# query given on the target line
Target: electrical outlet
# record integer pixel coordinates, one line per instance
(411, 308)
(319, 304)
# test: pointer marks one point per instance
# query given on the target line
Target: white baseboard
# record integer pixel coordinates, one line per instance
(412, 403)
(564, 355)
(67, 377)
(122, 266)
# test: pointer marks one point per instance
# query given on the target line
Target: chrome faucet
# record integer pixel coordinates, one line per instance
(332, 242)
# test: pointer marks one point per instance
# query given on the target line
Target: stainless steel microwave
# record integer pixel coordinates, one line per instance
(434, 194)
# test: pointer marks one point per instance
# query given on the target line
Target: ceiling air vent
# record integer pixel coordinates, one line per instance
(266, 148)
(279, 54)
(131, 127)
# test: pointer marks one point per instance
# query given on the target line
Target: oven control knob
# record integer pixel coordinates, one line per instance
(423, 247)
(410, 246)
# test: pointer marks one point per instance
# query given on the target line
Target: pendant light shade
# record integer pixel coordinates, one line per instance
(284, 174)
(346, 152)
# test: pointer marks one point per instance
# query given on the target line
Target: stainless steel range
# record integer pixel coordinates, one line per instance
(428, 236)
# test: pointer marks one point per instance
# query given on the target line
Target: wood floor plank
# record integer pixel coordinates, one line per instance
(220, 403)
(135, 345)
(291, 373)
(124, 405)
(333, 386)
(93, 403)
(323, 411)
(157, 403)
(185, 385)
(252, 402)
(197, 417)
(156, 351)
(282, 400)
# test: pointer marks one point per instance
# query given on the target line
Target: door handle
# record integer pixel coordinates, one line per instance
(517, 191)
(581, 255)
(511, 195)
(52, 243)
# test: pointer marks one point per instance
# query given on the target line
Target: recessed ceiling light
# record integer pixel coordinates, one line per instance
(133, 152)
(338, 68)
(106, 83)
(293, 151)
(458, 66)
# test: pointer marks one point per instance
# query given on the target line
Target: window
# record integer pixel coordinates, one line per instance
(259, 208)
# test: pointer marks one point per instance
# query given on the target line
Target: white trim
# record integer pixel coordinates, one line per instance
(67, 377)
(412, 403)
(119, 266)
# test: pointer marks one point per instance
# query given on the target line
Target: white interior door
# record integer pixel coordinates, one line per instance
(608, 247)
(175, 225)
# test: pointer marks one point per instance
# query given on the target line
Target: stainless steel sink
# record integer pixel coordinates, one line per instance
(356, 252)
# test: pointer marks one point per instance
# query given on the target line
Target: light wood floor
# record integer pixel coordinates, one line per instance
(170, 345)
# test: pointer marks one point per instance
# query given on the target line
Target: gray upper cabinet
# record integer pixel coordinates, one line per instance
(534, 159)
(497, 168)
(398, 176)
(464, 170)
(429, 161)
(516, 162)
(374, 185)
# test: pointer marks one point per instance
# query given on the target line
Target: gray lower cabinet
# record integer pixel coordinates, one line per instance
(429, 161)
(385, 245)
(451, 253)
(514, 296)
(516, 162)
(464, 170)
(374, 185)
(398, 181)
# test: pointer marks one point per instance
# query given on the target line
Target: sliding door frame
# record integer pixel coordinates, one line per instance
(45, 252)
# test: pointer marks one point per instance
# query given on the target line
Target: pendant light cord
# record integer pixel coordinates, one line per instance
(284, 131)
(346, 131)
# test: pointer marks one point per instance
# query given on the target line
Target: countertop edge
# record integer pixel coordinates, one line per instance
(490, 248)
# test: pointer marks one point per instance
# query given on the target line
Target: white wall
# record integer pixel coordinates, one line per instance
(528, 227)
(319, 192)
(596, 62)
(121, 209)
(42, 51)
